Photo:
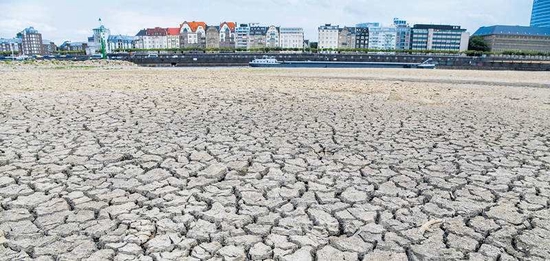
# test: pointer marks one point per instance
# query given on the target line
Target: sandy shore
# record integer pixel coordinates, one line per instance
(112, 161)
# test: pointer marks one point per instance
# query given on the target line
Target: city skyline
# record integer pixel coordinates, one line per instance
(61, 20)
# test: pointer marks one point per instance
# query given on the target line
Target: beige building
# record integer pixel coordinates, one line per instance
(173, 38)
(502, 38)
(212, 37)
(346, 38)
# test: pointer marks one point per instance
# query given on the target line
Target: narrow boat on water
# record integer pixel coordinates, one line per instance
(272, 62)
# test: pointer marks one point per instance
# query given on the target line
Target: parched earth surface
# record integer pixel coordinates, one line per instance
(242, 164)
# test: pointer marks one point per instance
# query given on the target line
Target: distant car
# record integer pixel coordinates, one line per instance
(152, 56)
(22, 57)
(96, 56)
(174, 56)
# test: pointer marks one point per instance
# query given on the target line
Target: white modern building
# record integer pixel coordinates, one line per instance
(439, 37)
(328, 36)
(291, 37)
(241, 36)
(153, 38)
(101, 34)
(381, 37)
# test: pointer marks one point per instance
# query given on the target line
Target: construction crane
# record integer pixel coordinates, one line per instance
(102, 40)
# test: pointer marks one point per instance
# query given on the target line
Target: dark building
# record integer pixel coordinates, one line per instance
(73, 46)
(515, 38)
(48, 47)
(361, 37)
(540, 16)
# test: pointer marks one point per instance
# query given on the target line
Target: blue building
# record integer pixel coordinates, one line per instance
(120, 42)
(541, 13)
(516, 38)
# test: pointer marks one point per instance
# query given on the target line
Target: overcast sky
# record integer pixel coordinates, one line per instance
(60, 20)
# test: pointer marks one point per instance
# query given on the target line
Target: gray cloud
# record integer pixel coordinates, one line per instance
(60, 20)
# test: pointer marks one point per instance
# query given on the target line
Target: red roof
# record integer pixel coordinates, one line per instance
(157, 31)
(194, 25)
(172, 31)
(231, 25)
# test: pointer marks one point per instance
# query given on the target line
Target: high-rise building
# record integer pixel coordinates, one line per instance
(31, 41)
(403, 39)
(541, 13)
(439, 37)
(328, 36)
(292, 37)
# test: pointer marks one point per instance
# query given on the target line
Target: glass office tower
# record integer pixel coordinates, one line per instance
(541, 13)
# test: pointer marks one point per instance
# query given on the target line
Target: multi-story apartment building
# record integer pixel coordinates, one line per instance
(291, 37)
(257, 37)
(380, 37)
(272, 37)
(155, 38)
(140, 44)
(48, 47)
(31, 41)
(193, 34)
(10, 45)
(73, 46)
(516, 38)
(361, 37)
(439, 37)
(173, 38)
(328, 36)
(241, 36)
(403, 37)
(212, 37)
(120, 42)
(227, 35)
(346, 38)
(540, 16)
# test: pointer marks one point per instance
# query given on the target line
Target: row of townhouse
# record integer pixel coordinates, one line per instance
(226, 35)
(398, 36)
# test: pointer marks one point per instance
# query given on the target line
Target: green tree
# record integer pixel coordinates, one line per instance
(478, 43)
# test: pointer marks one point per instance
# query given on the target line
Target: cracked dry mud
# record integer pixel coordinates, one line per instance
(241, 164)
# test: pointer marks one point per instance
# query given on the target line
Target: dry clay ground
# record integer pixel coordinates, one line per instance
(129, 163)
